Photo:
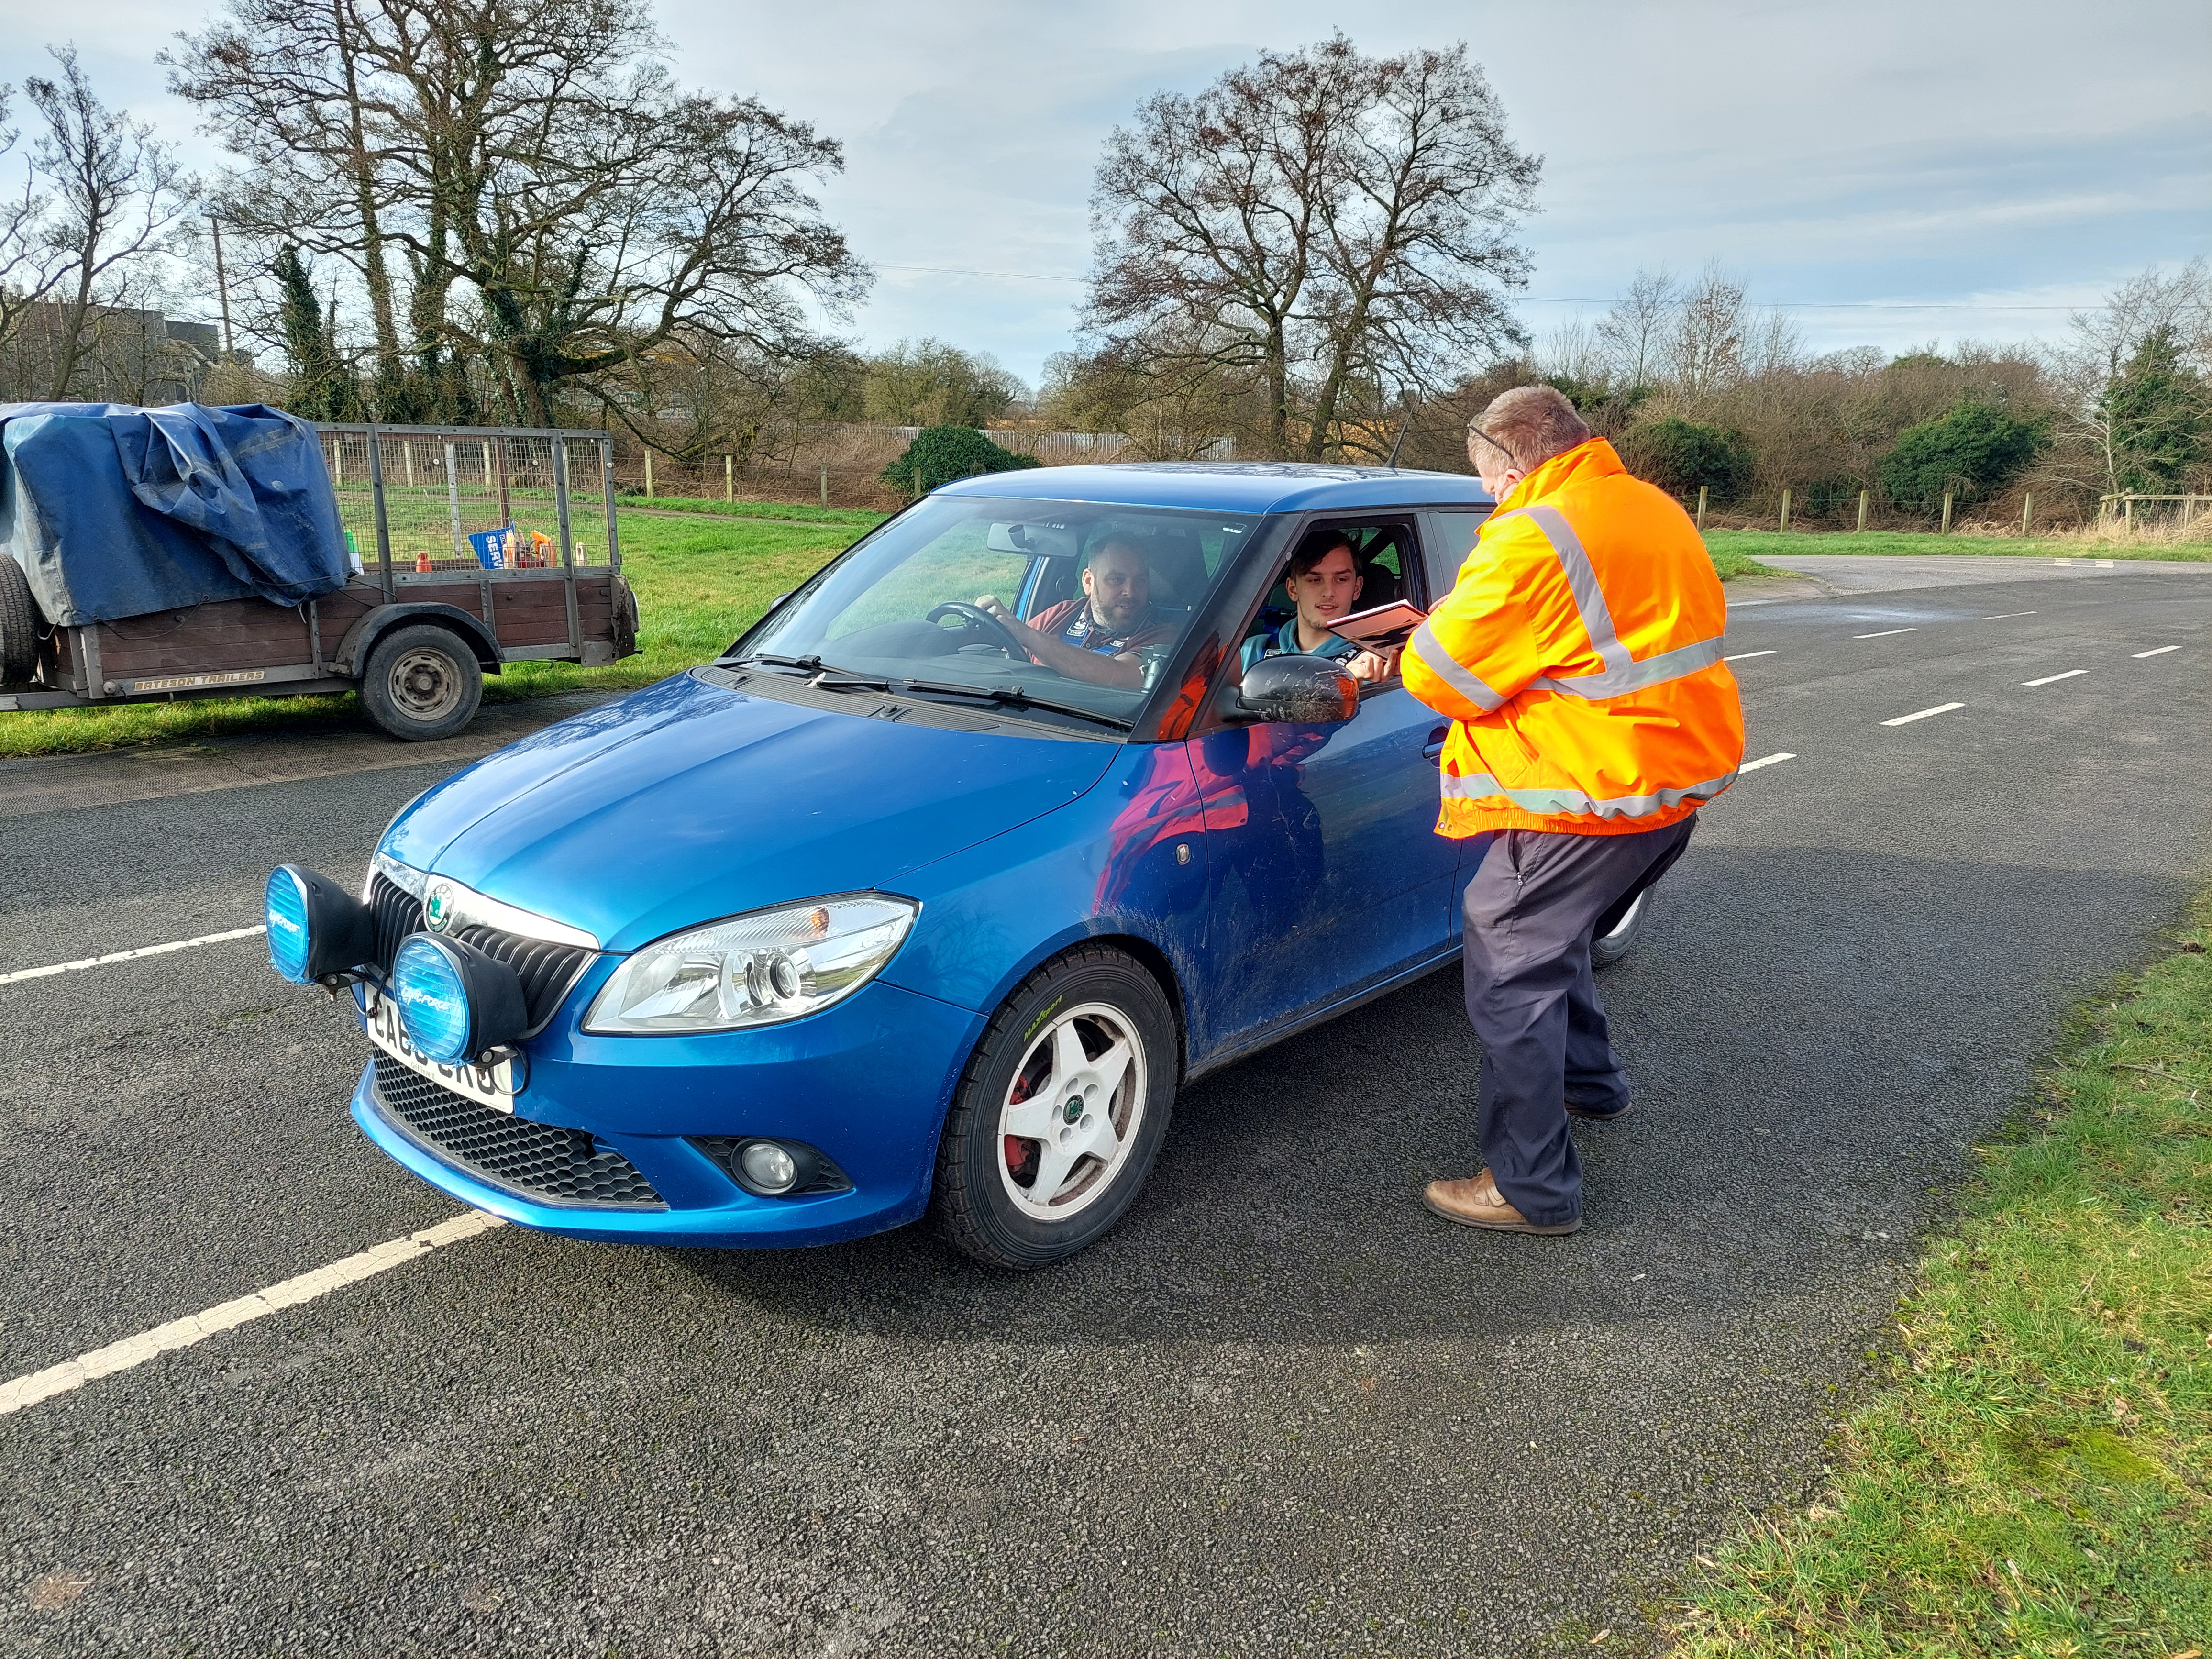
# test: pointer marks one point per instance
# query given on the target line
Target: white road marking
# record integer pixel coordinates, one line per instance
(2050, 680)
(2006, 616)
(1746, 656)
(1746, 605)
(1884, 633)
(2160, 651)
(2103, 564)
(1940, 708)
(29, 1390)
(129, 956)
(2061, 561)
(1764, 760)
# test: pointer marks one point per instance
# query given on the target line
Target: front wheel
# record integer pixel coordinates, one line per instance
(423, 682)
(1060, 1114)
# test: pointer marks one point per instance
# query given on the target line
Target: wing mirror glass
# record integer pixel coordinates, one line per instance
(1293, 691)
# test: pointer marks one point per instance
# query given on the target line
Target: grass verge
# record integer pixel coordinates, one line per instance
(699, 586)
(2034, 1479)
(785, 512)
(1774, 544)
(1731, 561)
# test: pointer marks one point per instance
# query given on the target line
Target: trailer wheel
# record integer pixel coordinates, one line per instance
(421, 683)
(18, 625)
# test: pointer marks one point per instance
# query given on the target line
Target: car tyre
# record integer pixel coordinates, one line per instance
(1060, 1114)
(20, 622)
(423, 682)
(1611, 944)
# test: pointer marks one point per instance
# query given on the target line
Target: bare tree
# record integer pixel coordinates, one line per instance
(1318, 222)
(117, 189)
(31, 265)
(1635, 330)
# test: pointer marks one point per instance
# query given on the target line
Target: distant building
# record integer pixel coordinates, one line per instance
(127, 355)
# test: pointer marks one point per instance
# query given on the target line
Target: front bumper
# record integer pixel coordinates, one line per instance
(867, 1082)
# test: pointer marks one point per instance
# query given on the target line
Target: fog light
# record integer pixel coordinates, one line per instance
(315, 927)
(769, 1167)
(454, 1000)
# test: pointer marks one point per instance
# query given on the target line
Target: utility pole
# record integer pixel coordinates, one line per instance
(221, 284)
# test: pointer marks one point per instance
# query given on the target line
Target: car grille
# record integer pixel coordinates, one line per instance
(546, 970)
(531, 1160)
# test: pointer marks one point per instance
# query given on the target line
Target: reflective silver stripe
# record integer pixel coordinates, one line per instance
(1440, 663)
(1582, 582)
(1480, 786)
(1681, 661)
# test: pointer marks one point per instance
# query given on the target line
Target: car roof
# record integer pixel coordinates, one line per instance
(1230, 486)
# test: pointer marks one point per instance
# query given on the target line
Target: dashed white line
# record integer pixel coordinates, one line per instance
(129, 956)
(1940, 708)
(2052, 679)
(2006, 616)
(2160, 651)
(1884, 633)
(2061, 561)
(29, 1390)
(1746, 656)
(2103, 564)
(1764, 760)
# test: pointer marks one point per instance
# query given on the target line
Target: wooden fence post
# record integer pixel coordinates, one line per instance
(825, 483)
(729, 480)
(1701, 509)
(1946, 529)
(1863, 510)
(1785, 510)
(649, 475)
(2026, 512)
(2128, 504)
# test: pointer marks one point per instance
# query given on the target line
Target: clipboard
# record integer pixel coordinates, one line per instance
(1385, 628)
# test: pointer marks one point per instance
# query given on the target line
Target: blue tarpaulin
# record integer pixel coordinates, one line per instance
(116, 511)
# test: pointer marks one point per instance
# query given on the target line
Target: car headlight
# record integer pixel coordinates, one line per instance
(757, 969)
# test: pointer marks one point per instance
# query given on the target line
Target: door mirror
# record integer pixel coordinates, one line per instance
(1294, 690)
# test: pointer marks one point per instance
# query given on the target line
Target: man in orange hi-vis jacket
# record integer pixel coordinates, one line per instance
(1580, 655)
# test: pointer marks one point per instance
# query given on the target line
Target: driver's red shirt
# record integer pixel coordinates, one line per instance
(1071, 622)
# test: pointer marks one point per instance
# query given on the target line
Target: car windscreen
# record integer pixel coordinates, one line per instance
(1050, 610)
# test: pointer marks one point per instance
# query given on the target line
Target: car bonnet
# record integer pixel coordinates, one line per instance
(687, 802)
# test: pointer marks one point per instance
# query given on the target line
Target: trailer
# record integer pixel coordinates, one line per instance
(472, 548)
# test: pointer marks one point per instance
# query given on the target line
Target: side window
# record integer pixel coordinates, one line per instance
(1451, 538)
(1386, 557)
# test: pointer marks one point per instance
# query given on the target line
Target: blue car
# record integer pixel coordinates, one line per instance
(930, 893)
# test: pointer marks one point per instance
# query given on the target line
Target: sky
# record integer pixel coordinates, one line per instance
(1892, 173)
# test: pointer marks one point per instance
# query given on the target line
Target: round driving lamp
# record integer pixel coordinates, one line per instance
(769, 1166)
(316, 928)
(455, 1000)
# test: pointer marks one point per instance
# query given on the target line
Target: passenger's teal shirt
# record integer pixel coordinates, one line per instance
(1284, 642)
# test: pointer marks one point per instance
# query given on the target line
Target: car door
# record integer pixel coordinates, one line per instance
(1326, 876)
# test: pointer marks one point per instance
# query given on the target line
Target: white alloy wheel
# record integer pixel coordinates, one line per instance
(1072, 1113)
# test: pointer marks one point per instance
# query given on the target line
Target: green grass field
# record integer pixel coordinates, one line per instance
(1775, 549)
(2033, 1478)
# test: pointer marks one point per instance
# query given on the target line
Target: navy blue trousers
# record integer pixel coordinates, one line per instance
(1533, 902)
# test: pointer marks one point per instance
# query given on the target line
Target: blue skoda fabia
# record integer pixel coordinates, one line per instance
(930, 893)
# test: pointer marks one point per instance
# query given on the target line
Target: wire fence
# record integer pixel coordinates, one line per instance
(471, 498)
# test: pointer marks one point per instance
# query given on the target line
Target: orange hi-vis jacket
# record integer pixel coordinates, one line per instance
(1580, 653)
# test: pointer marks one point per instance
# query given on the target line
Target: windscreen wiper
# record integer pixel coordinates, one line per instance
(811, 665)
(828, 677)
(1013, 697)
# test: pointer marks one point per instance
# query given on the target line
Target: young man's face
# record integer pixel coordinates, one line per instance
(1119, 585)
(1328, 590)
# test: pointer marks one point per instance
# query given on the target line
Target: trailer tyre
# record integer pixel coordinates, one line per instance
(18, 625)
(421, 683)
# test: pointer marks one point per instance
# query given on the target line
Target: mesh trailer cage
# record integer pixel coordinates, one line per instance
(415, 495)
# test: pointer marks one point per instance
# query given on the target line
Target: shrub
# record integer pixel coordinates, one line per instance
(939, 454)
(1974, 450)
(1680, 456)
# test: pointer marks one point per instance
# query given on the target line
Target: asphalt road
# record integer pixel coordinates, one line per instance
(1281, 1410)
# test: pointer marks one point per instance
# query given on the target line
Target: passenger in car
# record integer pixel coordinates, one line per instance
(1324, 584)
(1104, 635)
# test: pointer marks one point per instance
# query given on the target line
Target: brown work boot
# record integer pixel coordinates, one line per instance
(1476, 1202)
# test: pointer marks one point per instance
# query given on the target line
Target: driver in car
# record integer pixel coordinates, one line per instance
(1324, 584)
(1098, 637)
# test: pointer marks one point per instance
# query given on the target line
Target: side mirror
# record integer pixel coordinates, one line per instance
(1293, 691)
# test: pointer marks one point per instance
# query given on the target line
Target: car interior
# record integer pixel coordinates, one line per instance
(1177, 556)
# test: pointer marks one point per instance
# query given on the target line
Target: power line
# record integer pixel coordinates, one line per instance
(1565, 299)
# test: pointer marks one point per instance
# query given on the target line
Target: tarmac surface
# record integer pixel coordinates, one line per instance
(1281, 1410)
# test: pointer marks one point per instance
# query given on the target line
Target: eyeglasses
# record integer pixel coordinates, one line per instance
(1474, 431)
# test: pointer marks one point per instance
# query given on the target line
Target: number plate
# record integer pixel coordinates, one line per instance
(494, 1085)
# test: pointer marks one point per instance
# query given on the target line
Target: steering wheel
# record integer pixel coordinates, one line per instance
(979, 621)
